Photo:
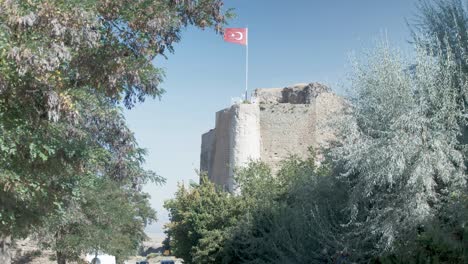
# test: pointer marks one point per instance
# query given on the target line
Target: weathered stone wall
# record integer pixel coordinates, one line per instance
(219, 169)
(286, 129)
(282, 122)
(207, 150)
(329, 107)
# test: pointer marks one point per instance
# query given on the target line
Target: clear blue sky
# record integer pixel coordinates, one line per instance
(290, 42)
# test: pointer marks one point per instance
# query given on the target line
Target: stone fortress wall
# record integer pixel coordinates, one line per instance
(278, 123)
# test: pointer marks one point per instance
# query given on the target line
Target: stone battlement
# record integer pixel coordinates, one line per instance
(302, 93)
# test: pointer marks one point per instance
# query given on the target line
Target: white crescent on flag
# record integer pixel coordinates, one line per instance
(241, 36)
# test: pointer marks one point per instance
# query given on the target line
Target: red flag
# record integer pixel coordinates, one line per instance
(236, 35)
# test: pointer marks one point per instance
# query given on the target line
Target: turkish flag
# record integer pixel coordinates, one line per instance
(236, 35)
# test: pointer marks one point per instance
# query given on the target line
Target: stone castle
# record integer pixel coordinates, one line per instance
(277, 123)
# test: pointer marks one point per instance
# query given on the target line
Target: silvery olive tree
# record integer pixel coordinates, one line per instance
(401, 152)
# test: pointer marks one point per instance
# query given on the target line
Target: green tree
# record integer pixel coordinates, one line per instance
(301, 222)
(99, 145)
(200, 217)
(65, 66)
(108, 219)
(289, 217)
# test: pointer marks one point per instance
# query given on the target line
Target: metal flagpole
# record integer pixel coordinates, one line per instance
(247, 63)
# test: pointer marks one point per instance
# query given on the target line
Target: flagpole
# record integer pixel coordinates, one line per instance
(247, 65)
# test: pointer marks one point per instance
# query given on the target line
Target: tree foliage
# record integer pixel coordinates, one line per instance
(108, 219)
(401, 152)
(200, 216)
(66, 67)
(443, 25)
(106, 45)
(283, 217)
(297, 223)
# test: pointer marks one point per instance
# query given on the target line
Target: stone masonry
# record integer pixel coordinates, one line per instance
(278, 123)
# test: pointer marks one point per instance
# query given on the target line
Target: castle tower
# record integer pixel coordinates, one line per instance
(279, 123)
(245, 138)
